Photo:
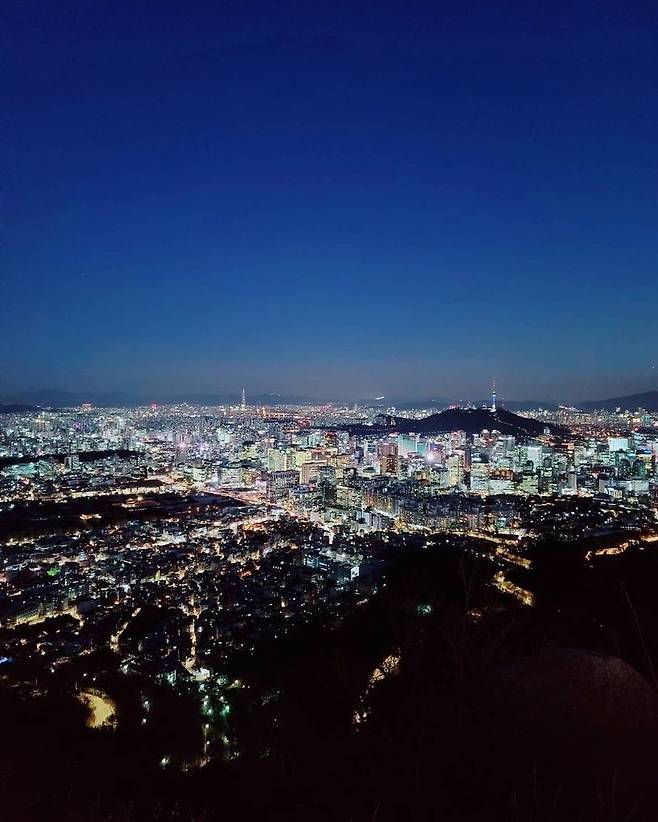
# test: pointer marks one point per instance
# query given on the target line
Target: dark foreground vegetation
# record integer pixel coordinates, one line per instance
(483, 709)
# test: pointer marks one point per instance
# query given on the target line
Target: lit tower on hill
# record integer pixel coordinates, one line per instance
(493, 395)
(243, 401)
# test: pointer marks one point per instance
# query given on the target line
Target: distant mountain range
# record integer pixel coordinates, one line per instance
(441, 403)
(647, 400)
(470, 420)
(70, 399)
(53, 398)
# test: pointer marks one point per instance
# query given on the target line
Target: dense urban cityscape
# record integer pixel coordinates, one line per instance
(163, 546)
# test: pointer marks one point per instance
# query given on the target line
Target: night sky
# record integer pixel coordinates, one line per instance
(331, 199)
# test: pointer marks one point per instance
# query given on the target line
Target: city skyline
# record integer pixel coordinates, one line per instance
(183, 586)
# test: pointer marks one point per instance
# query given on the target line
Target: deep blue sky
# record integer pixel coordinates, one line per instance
(330, 198)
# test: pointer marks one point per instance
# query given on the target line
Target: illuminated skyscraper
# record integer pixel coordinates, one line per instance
(479, 476)
(243, 402)
(572, 480)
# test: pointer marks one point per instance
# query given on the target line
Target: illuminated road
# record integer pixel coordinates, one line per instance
(506, 586)
(193, 611)
(115, 638)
